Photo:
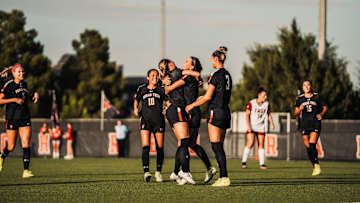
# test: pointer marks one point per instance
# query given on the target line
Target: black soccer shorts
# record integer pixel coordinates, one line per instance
(220, 118)
(175, 114)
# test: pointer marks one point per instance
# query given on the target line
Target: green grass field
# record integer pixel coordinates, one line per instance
(121, 180)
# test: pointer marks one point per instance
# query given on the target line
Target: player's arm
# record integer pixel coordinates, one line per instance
(191, 73)
(270, 118)
(136, 105)
(320, 115)
(173, 86)
(247, 118)
(202, 99)
(11, 100)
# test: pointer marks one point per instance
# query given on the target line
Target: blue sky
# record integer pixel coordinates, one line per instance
(194, 27)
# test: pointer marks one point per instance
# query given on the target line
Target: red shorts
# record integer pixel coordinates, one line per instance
(56, 138)
(256, 133)
(71, 138)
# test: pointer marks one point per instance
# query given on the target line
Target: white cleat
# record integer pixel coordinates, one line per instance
(147, 176)
(210, 174)
(187, 177)
(176, 178)
(158, 177)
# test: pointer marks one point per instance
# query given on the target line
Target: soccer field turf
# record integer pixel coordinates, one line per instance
(121, 180)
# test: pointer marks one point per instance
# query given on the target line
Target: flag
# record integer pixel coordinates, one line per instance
(108, 109)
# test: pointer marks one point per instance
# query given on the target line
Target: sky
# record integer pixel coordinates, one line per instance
(193, 28)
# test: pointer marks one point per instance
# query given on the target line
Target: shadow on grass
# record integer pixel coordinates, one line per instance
(63, 183)
(344, 181)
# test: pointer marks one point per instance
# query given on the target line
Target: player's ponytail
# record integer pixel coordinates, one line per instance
(163, 67)
(221, 54)
(5, 74)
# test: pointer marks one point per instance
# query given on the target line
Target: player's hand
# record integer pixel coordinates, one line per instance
(188, 108)
(35, 97)
(301, 107)
(319, 117)
(167, 81)
(18, 100)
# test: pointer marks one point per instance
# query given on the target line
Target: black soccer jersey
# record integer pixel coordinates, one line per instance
(312, 107)
(222, 81)
(16, 111)
(152, 100)
(176, 96)
(191, 89)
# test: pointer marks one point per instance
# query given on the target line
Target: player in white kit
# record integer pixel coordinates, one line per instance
(256, 112)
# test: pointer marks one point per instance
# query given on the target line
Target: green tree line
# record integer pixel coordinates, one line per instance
(280, 68)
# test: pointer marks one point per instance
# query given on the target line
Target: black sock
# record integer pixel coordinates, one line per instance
(145, 158)
(200, 152)
(5, 153)
(26, 158)
(314, 153)
(309, 153)
(159, 158)
(184, 155)
(177, 161)
(218, 149)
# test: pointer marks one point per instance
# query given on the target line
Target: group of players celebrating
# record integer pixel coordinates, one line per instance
(175, 93)
(178, 89)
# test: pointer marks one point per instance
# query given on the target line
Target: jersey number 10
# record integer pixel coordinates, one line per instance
(151, 101)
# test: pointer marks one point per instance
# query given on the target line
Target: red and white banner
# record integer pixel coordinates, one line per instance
(113, 147)
(44, 144)
(271, 145)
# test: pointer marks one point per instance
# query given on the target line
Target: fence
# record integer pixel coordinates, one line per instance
(340, 139)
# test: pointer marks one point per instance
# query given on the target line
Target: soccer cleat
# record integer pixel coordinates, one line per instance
(317, 170)
(210, 174)
(158, 176)
(222, 182)
(1, 162)
(176, 178)
(27, 174)
(243, 165)
(263, 167)
(147, 176)
(187, 177)
(68, 157)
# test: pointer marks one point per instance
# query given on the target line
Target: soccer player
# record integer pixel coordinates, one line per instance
(256, 112)
(178, 119)
(310, 107)
(15, 95)
(70, 140)
(56, 139)
(152, 120)
(218, 94)
(190, 80)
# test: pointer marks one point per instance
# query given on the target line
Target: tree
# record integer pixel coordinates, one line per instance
(281, 69)
(18, 45)
(86, 74)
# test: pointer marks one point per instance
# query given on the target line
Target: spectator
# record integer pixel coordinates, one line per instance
(69, 145)
(121, 132)
(56, 137)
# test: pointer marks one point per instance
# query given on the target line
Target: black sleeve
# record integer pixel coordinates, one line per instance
(214, 79)
(5, 91)
(137, 95)
(177, 75)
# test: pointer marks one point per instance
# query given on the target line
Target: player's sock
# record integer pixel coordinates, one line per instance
(159, 158)
(308, 150)
(261, 156)
(184, 155)
(177, 161)
(200, 152)
(218, 149)
(245, 155)
(5, 153)
(26, 158)
(145, 158)
(314, 153)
